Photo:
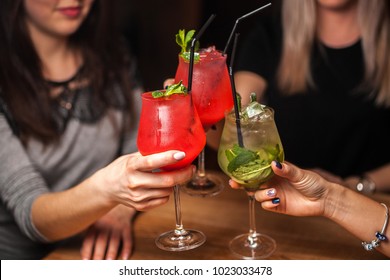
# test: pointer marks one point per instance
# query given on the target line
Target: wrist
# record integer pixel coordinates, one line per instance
(334, 200)
(99, 187)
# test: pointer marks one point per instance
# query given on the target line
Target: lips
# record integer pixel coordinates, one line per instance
(70, 11)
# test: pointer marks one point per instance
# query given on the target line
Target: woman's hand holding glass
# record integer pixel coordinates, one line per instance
(130, 179)
(293, 191)
(299, 192)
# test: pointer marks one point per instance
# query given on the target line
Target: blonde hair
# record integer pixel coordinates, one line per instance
(299, 25)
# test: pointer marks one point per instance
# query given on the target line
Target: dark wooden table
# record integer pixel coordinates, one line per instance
(224, 216)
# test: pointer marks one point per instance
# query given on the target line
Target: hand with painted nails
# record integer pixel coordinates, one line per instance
(293, 191)
(299, 192)
(69, 161)
(98, 202)
(133, 182)
(129, 181)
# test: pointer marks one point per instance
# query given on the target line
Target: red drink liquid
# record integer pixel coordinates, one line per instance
(211, 89)
(170, 123)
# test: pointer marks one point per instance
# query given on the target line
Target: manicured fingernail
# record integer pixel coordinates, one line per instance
(179, 155)
(271, 192)
(278, 164)
(276, 200)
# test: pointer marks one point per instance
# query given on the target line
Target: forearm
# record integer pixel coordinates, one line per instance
(381, 177)
(247, 82)
(64, 214)
(358, 214)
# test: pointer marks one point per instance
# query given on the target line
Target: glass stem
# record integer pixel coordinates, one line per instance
(201, 171)
(179, 230)
(252, 236)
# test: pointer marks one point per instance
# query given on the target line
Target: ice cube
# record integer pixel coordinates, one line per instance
(254, 109)
(210, 53)
(266, 115)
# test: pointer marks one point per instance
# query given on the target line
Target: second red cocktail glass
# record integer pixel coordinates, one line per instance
(212, 95)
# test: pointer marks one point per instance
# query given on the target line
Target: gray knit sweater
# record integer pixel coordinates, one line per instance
(28, 172)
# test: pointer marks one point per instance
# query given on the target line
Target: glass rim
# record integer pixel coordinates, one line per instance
(148, 96)
(230, 116)
(205, 59)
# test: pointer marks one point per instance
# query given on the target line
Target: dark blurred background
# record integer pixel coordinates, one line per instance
(151, 26)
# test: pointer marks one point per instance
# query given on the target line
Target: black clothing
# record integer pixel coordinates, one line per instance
(334, 125)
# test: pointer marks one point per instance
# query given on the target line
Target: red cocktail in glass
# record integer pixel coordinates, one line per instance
(212, 95)
(172, 123)
(211, 89)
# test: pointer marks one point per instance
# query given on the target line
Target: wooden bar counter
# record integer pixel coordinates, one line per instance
(224, 216)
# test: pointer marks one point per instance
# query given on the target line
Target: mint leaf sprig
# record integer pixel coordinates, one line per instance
(247, 165)
(184, 41)
(178, 88)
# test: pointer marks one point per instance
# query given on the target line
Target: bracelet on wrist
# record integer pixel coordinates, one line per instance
(380, 236)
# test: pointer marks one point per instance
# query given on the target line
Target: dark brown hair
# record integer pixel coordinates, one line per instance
(22, 85)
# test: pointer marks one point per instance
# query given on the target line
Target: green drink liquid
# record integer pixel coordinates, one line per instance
(250, 166)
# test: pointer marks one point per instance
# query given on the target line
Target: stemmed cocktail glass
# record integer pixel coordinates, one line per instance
(212, 96)
(245, 154)
(171, 123)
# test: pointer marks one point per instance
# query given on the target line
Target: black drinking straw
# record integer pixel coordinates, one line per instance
(235, 25)
(236, 108)
(192, 51)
